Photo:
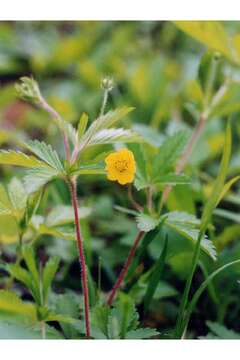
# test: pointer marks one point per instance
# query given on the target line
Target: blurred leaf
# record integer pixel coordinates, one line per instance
(146, 222)
(141, 333)
(221, 331)
(210, 33)
(154, 277)
(11, 305)
(219, 183)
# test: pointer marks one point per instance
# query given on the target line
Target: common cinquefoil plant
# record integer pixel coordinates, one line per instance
(147, 173)
(46, 165)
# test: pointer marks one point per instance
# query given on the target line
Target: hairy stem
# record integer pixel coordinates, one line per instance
(55, 115)
(125, 268)
(73, 191)
(43, 329)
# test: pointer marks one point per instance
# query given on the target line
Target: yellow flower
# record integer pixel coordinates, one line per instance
(120, 166)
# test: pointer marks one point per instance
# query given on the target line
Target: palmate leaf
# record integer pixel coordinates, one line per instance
(46, 153)
(37, 177)
(103, 122)
(18, 158)
(111, 136)
(187, 225)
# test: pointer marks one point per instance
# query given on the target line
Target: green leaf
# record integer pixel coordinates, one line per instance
(18, 158)
(227, 187)
(19, 331)
(82, 125)
(29, 258)
(146, 222)
(172, 179)
(36, 178)
(17, 194)
(221, 331)
(46, 153)
(141, 333)
(100, 317)
(111, 136)
(210, 33)
(12, 306)
(49, 272)
(169, 153)
(103, 122)
(63, 214)
(188, 226)
(142, 248)
(219, 183)
(5, 204)
(155, 277)
(95, 169)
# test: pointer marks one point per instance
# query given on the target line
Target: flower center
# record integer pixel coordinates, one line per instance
(121, 165)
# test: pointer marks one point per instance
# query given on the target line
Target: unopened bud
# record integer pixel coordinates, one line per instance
(28, 90)
(107, 83)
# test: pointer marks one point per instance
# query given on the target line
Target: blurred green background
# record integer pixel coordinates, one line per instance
(155, 69)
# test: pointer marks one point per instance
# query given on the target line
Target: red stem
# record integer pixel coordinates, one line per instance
(73, 190)
(125, 268)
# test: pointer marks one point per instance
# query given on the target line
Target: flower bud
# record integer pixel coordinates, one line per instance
(28, 90)
(107, 83)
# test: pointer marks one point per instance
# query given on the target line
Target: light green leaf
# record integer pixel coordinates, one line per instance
(12, 305)
(95, 169)
(188, 226)
(172, 179)
(146, 223)
(5, 204)
(210, 33)
(82, 125)
(38, 177)
(169, 153)
(17, 194)
(227, 187)
(18, 158)
(111, 136)
(141, 333)
(64, 214)
(46, 153)
(219, 183)
(29, 258)
(103, 122)
(49, 272)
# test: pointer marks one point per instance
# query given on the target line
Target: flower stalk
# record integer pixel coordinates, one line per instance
(73, 191)
(125, 268)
